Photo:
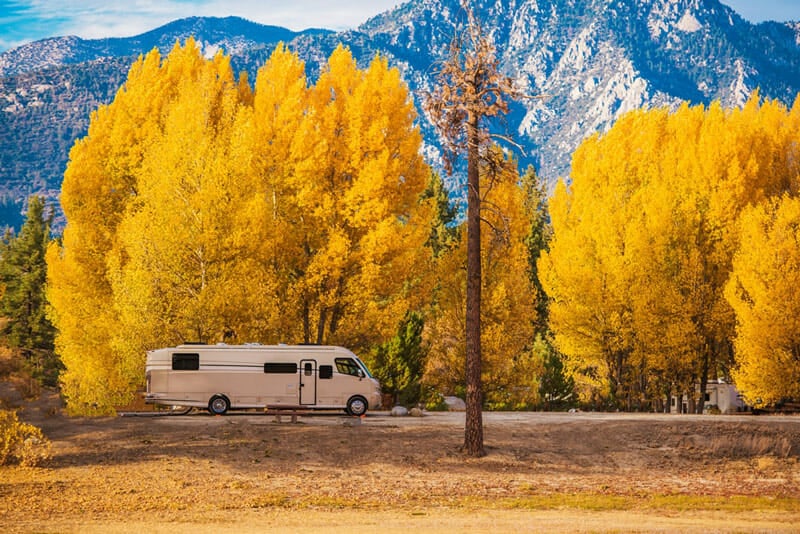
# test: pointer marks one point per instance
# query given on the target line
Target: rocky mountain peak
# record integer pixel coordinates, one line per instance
(594, 60)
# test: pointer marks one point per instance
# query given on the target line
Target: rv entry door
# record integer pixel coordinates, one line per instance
(308, 382)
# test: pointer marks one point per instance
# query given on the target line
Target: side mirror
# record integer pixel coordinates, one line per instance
(360, 374)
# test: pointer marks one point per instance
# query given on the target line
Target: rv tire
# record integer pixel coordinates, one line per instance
(219, 405)
(357, 406)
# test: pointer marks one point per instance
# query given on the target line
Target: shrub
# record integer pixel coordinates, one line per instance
(434, 402)
(21, 442)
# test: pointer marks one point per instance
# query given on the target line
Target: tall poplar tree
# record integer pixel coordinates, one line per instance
(201, 210)
(178, 270)
(763, 292)
(356, 181)
(100, 182)
(644, 240)
(470, 91)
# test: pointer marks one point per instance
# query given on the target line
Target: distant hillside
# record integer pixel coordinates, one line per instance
(594, 59)
(49, 88)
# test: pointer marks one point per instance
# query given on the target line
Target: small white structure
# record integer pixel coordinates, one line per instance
(724, 396)
(721, 397)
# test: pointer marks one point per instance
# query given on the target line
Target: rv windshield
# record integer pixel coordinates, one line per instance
(364, 367)
(352, 366)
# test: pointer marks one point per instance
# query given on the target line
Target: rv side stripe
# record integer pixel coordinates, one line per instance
(230, 365)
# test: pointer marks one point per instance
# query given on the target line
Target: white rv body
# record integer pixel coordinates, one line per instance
(222, 377)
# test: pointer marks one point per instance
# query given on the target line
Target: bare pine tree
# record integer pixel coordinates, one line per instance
(470, 90)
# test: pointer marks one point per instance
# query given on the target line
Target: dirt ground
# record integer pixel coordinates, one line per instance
(329, 473)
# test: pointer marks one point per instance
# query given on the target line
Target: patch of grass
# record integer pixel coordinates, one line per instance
(579, 501)
(733, 503)
(597, 502)
(765, 463)
(273, 500)
(328, 502)
(324, 502)
(582, 501)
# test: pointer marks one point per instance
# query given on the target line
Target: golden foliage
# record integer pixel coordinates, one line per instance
(201, 210)
(763, 292)
(507, 307)
(22, 442)
(198, 210)
(644, 238)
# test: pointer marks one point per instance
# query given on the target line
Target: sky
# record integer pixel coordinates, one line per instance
(22, 21)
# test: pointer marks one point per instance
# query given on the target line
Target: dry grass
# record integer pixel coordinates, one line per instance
(542, 474)
(444, 521)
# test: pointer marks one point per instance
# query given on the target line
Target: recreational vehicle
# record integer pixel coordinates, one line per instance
(228, 377)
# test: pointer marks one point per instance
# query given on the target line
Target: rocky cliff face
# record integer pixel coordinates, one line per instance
(592, 60)
(595, 60)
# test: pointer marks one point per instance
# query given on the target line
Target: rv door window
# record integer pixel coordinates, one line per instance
(281, 368)
(185, 362)
(347, 366)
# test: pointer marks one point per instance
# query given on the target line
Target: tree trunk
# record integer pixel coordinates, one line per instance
(704, 375)
(306, 323)
(323, 315)
(473, 429)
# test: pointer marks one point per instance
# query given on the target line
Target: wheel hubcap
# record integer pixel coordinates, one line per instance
(357, 407)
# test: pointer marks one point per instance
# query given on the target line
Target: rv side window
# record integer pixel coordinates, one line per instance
(185, 362)
(281, 368)
(326, 371)
(347, 366)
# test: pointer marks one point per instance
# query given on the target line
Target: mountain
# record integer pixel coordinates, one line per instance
(235, 35)
(594, 60)
(591, 60)
(49, 88)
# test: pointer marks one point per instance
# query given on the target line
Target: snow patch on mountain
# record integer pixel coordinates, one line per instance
(587, 62)
(689, 23)
(738, 89)
(38, 55)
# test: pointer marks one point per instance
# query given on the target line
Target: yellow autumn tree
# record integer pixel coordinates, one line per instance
(183, 265)
(586, 271)
(357, 256)
(200, 210)
(643, 243)
(100, 181)
(508, 302)
(279, 105)
(763, 292)
(714, 163)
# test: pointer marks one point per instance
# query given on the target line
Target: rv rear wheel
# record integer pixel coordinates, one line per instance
(218, 405)
(357, 406)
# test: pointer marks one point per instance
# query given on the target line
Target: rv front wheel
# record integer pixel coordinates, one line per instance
(218, 405)
(357, 406)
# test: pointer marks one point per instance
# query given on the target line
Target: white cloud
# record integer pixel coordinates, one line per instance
(28, 20)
